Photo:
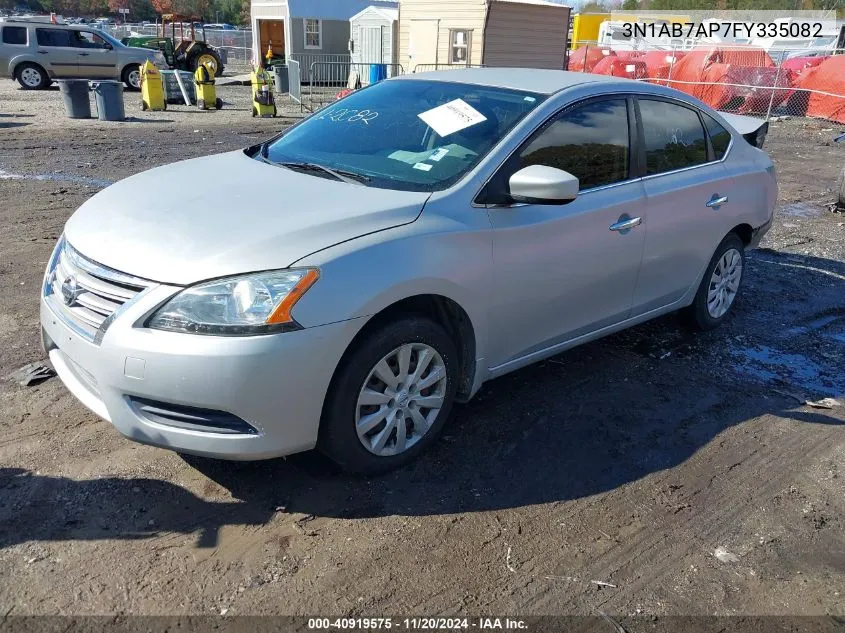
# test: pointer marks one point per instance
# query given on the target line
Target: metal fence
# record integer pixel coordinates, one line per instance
(732, 78)
(326, 79)
(235, 45)
(295, 81)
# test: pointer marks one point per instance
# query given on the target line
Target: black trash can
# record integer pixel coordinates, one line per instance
(109, 96)
(280, 76)
(75, 94)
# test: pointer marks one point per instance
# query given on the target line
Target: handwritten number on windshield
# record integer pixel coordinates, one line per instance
(350, 115)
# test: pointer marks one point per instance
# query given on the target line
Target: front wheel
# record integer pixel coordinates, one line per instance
(131, 77)
(720, 285)
(390, 397)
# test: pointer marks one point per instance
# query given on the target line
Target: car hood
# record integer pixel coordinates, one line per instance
(227, 214)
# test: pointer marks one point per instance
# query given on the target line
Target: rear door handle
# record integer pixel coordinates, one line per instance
(43, 52)
(625, 223)
(716, 201)
(83, 54)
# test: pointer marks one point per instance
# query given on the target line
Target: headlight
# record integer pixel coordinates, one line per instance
(259, 303)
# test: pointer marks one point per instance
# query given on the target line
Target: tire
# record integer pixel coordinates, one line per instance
(707, 317)
(131, 77)
(341, 430)
(31, 76)
(194, 61)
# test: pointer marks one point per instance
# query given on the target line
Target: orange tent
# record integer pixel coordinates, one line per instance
(738, 79)
(827, 83)
(584, 58)
(619, 67)
(658, 64)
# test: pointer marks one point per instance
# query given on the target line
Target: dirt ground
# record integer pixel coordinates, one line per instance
(627, 461)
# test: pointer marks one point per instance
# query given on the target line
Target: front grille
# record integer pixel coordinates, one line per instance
(85, 294)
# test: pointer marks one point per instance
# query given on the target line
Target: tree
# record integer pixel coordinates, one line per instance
(197, 8)
(630, 5)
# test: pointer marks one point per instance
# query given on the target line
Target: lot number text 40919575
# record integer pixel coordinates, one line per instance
(417, 624)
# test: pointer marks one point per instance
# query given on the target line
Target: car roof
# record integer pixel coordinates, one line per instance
(528, 79)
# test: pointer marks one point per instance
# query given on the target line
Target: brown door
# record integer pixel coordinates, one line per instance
(272, 34)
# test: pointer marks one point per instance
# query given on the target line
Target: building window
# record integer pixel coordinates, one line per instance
(459, 46)
(313, 33)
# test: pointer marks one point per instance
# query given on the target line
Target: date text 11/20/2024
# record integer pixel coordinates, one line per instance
(724, 29)
(417, 624)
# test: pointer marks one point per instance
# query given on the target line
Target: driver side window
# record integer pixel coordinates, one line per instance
(589, 141)
(86, 39)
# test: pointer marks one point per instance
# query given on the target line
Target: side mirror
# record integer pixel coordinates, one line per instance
(539, 184)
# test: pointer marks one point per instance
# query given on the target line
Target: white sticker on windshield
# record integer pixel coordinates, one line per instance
(452, 117)
(438, 154)
(423, 166)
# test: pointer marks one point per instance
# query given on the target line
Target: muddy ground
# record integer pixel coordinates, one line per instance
(627, 461)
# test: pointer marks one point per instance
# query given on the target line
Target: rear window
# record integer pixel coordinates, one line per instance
(53, 37)
(720, 138)
(14, 35)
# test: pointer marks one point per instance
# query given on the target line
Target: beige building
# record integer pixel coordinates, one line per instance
(515, 33)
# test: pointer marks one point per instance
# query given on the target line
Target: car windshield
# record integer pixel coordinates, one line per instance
(109, 39)
(410, 135)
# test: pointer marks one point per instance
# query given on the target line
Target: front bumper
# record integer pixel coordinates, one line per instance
(275, 383)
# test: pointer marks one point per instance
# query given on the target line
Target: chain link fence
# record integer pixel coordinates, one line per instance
(776, 82)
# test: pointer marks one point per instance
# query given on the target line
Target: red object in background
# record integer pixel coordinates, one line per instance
(584, 58)
(344, 93)
(740, 79)
(660, 63)
(827, 77)
(799, 64)
(619, 67)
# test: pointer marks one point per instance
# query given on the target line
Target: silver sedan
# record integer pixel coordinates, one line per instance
(350, 279)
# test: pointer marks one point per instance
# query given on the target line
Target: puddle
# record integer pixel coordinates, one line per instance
(767, 364)
(801, 210)
(56, 177)
(817, 324)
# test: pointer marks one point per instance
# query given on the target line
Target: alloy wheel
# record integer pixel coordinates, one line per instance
(724, 283)
(31, 77)
(134, 78)
(400, 399)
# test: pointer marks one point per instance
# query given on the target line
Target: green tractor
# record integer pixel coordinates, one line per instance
(181, 39)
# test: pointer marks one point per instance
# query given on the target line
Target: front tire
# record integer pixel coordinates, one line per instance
(720, 285)
(131, 77)
(390, 397)
(32, 76)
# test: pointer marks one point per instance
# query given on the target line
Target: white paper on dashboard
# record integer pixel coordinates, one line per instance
(452, 117)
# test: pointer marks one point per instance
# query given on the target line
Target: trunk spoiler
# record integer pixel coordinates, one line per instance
(753, 130)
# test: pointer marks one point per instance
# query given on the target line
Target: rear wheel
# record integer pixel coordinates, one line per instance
(131, 77)
(32, 76)
(390, 397)
(720, 285)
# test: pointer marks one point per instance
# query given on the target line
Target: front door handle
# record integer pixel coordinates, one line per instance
(84, 54)
(43, 52)
(625, 223)
(716, 201)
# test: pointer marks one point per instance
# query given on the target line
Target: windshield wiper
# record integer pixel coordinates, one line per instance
(339, 174)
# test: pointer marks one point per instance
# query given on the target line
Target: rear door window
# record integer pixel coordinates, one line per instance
(14, 35)
(53, 37)
(673, 136)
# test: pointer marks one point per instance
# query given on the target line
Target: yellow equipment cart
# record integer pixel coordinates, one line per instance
(263, 103)
(206, 91)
